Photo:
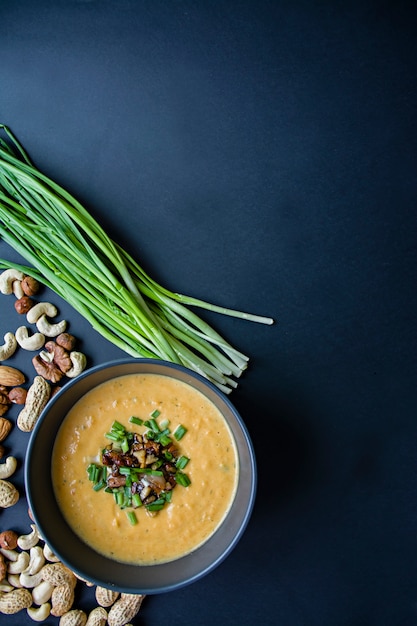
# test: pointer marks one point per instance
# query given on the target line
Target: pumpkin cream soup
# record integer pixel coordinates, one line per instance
(144, 468)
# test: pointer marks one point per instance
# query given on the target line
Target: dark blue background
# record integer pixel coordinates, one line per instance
(261, 155)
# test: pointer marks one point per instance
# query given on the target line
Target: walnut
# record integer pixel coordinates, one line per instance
(17, 395)
(30, 285)
(4, 400)
(60, 356)
(67, 341)
(8, 539)
(5, 428)
(47, 369)
(23, 305)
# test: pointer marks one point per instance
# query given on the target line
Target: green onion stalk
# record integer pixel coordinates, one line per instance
(69, 252)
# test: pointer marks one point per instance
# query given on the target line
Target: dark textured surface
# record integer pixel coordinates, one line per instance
(261, 155)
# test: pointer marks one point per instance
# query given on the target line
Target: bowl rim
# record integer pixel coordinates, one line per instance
(212, 558)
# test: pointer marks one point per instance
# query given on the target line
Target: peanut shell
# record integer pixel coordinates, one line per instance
(58, 574)
(14, 601)
(9, 495)
(36, 399)
(97, 617)
(75, 617)
(124, 609)
(62, 599)
(106, 597)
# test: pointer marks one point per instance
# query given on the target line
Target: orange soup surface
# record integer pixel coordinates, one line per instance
(195, 511)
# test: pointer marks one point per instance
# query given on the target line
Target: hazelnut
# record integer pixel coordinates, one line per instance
(67, 341)
(30, 285)
(2, 450)
(23, 305)
(17, 395)
(8, 539)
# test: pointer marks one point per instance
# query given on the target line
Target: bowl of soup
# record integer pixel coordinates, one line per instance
(141, 476)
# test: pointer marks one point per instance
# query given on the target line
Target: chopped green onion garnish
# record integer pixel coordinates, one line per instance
(156, 506)
(118, 426)
(180, 432)
(126, 471)
(182, 479)
(100, 485)
(136, 501)
(134, 477)
(153, 425)
(165, 440)
(182, 462)
(131, 515)
(112, 436)
(135, 420)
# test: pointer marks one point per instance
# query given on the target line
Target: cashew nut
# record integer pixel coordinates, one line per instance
(14, 579)
(45, 327)
(26, 542)
(41, 308)
(29, 342)
(7, 278)
(49, 555)
(30, 580)
(79, 362)
(17, 289)
(8, 467)
(11, 555)
(36, 562)
(5, 586)
(42, 592)
(39, 614)
(9, 346)
(18, 566)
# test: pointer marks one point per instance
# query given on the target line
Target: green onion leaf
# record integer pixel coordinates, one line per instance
(135, 420)
(182, 479)
(131, 516)
(181, 462)
(136, 501)
(180, 432)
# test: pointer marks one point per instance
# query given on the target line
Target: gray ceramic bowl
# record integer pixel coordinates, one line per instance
(83, 560)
